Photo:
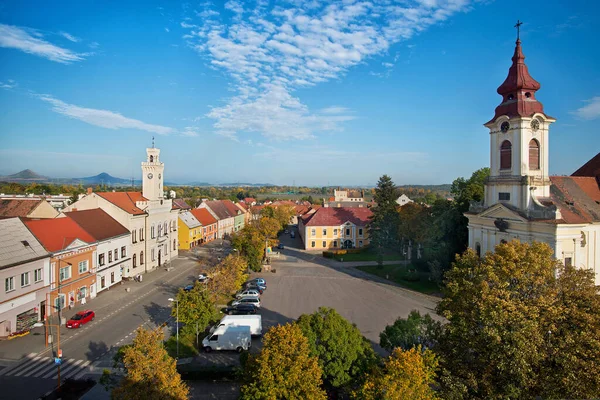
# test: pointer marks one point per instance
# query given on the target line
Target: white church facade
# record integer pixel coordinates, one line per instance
(521, 200)
(148, 215)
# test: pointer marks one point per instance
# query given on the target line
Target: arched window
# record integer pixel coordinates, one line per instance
(534, 154)
(134, 260)
(141, 258)
(151, 158)
(174, 244)
(506, 155)
(478, 249)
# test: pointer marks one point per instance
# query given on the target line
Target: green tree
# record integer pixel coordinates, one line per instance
(150, 372)
(310, 200)
(472, 189)
(406, 374)
(283, 369)
(344, 354)
(193, 307)
(416, 330)
(515, 330)
(383, 229)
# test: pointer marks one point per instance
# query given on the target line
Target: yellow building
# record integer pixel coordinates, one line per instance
(335, 228)
(189, 232)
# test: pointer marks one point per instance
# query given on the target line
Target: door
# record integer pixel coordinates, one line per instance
(43, 310)
(102, 282)
(159, 258)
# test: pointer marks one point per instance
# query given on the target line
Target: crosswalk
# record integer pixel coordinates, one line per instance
(44, 368)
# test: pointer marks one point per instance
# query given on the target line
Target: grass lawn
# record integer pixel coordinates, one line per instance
(417, 281)
(369, 256)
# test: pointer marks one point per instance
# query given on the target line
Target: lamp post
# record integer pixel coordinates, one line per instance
(177, 321)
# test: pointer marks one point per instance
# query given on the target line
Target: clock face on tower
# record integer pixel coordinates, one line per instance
(504, 127)
(150, 175)
(535, 125)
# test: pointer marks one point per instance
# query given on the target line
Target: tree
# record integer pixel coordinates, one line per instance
(406, 374)
(383, 230)
(227, 277)
(310, 200)
(471, 189)
(344, 354)
(416, 330)
(516, 330)
(283, 369)
(250, 242)
(150, 372)
(195, 308)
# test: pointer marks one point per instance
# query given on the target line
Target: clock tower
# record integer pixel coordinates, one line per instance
(518, 142)
(153, 174)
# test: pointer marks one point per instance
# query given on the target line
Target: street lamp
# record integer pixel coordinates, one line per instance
(177, 321)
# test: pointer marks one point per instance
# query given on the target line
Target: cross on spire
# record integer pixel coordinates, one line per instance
(518, 26)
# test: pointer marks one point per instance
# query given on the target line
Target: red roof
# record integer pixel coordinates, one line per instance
(125, 200)
(230, 206)
(243, 205)
(590, 168)
(98, 223)
(18, 207)
(329, 216)
(249, 200)
(180, 204)
(204, 216)
(578, 199)
(58, 233)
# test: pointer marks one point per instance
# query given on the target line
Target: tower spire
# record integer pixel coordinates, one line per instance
(152, 141)
(518, 26)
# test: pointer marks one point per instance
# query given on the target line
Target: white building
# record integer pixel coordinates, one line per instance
(521, 200)
(402, 200)
(25, 276)
(147, 215)
(348, 195)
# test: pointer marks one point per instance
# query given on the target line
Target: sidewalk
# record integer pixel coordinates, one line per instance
(15, 349)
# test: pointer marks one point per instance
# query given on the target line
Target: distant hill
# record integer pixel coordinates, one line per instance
(25, 176)
(244, 184)
(103, 179)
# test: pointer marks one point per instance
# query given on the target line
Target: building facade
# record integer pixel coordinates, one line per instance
(208, 222)
(335, 228)
(225, 220)
(521, 200)
(27, 207)
(189, 232)
(24, 272)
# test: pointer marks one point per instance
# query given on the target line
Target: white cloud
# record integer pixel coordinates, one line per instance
(31, 42)
(591, 110)
(167, 30)
(9, 84)
(70, 37)
(103, 118)
(270, 53)
(190, 131)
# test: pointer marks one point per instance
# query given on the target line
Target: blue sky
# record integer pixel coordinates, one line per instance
(309, 92)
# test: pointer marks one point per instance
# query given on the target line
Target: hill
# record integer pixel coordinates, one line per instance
(25, 176)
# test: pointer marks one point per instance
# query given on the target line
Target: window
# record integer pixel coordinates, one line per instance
(9, 284)
(152, 236)
(116, 252)
(174, 244)
(65, 273)
(324, 243)
(83, 266)
(335, 243)
(141, 258)
(335, 232)
(59, 301)
(568, 262)
(534, 154)
(152, 255)
(313, 232)
(165, 229)
(360, 232)
(110, 256)
(133, 236)
(123, 252)
(347, 231)
(506, 155)
(214, 338)
(360, 243)
(134, 260)
(141, 234)
(25, 279)
(37, 275)
(101, 259)
(478, 249)
(159, 230)
(112, 277)
(82, 293)
(313, 244)
(324, 232)
(504, 196)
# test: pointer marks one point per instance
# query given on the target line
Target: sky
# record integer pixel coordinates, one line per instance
(286, 92)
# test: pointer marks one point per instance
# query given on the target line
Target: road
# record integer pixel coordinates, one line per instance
(28, 369)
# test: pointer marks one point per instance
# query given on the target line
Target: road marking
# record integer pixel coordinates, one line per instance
(63, 371)
(28, 367)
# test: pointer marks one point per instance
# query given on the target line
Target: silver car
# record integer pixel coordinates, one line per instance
(247, 300)
(247, 293)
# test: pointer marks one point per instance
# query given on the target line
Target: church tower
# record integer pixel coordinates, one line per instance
(152, 174)
(518, 141)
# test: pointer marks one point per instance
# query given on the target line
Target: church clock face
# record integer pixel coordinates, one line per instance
(535, 125)
(504, 127)
(150, 175)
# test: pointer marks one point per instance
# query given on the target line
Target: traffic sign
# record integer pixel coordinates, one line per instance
(59, 353)
(57, 361)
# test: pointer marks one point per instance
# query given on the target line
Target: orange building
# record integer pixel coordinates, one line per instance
(209, 224)
(73, 262)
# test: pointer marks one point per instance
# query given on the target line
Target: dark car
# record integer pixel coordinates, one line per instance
(188, 288)
(241, 309)
(280, 246)
(81, 318)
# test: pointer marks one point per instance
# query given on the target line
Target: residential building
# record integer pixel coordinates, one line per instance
(348, 195)
(521, 200)
(239, 216)
(180, 205)
(226, 220)
(403, 199)
(246, 210)
(148, 215)
(189, 232)
(58, 201)
(24, 272)
(250, 201)
(113, 255)
(26, 207)
(335, 228)
(209, 224)
(73, 262)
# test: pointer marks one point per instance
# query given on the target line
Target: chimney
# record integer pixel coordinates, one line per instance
(89, 190)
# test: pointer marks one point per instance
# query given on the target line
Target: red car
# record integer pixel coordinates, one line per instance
(82, 317)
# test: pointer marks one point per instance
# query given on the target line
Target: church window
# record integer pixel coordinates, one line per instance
(504, 196)
(506, 155)
(151, 158)
(568, 262)
(534, 154)
(528, 95)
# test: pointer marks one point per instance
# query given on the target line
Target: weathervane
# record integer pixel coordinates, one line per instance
(152, 141)
(518, 26)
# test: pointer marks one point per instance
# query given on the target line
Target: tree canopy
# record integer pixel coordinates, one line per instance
(283, 369)
(383, 229)
(151, 373)
(416, 330)
(195, 306)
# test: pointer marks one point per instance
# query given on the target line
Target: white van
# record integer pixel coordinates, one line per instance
(253, 321)
(228, 337)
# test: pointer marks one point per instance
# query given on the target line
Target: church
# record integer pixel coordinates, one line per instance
(521, 200)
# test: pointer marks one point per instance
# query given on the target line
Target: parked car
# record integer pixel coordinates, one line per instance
(229, 337)
(253, 321)
(280, 246)
(81, 318)
(258, 281)
(188, 288)
(247, 300)
(248, 292)
(202, 278)
(241, 309)
(286, 231)
(292, 234)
